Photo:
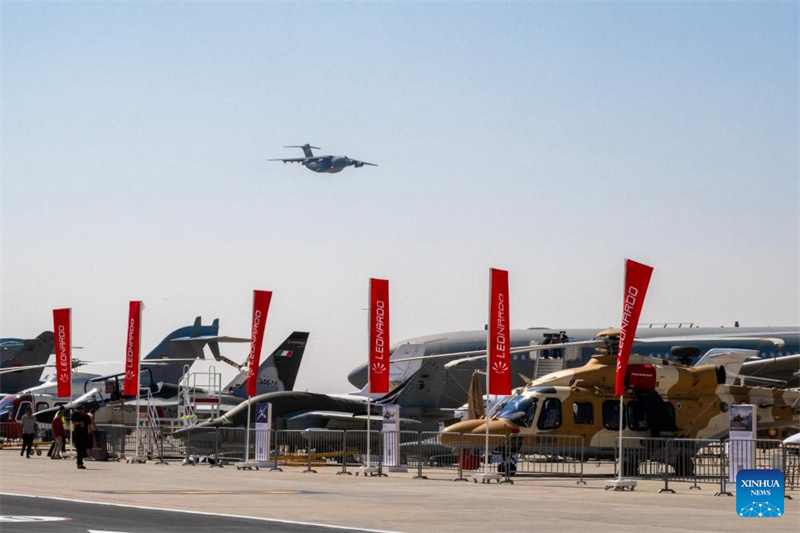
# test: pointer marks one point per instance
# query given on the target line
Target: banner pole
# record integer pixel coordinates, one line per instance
(138, 385)
(247, 434)
(619, 467)
(488, 379)
(369, 411)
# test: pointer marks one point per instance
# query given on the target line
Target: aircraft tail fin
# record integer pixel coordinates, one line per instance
(306, 149)
(278, 371)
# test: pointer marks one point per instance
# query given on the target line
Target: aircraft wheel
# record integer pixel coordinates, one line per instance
(38, 451)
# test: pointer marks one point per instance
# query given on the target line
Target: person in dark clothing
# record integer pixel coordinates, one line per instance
(80, 433)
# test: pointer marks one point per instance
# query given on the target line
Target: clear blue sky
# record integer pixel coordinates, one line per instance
(548, 139)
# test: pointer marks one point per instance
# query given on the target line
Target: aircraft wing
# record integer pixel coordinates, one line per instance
(21, 368)
(210, 338)
(783, 369)
(295, 159)
(357, 163)
(479, 354)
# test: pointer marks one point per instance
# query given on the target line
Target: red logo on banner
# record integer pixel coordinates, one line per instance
(499, 340)
(62, 325)
(379, 335)
(132, 349)
(261, 300)
(637, 278)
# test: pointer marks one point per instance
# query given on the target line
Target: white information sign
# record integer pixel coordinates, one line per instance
(741, 443)
(391, 437)
(263, 426)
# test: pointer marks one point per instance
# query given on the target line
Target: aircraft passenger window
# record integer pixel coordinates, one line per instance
(637, 416)
(611, 415)
(583, 413)
(40, 406)
(551, 414)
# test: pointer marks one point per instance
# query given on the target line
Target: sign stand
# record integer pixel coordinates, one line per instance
(261, 302)
(378, 300)
(637, 279)
(486, 476)
(139, 459)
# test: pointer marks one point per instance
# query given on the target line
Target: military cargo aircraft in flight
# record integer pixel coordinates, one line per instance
(330, 164)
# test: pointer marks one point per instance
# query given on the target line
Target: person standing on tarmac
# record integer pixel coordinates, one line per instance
(58, 434)
(80, 433)
(29, 430)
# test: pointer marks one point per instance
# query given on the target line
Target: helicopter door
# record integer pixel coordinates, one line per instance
(659, 414)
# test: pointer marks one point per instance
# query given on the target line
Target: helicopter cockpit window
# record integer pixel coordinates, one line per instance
(520, 411)
(637, 416)
(611, 415)
(551, 414)
(583, 413)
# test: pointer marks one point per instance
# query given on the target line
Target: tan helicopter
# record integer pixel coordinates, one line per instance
(662, 399)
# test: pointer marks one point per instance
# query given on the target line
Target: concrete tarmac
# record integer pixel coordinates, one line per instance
(394, 503)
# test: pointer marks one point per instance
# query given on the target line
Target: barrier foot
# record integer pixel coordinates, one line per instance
(368, 471)
(420, 477)
(276, 469)
(787, 497)
(723, 494)
(666, 490)
(307, 470)
(507, 482)
(460, 479)
(486, 477)
(344, 473)
(580, 482)
(697, 487)
(621, 484)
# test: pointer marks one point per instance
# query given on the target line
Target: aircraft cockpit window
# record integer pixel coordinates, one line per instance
(611, 415)
(583, 413)
(637, 416)
(520, 411)
(551, 414)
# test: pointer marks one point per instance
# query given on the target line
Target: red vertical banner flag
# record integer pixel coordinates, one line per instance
(62, 325)
(132, 348)
(261, 300)
(498, 344)
(637, 279)
(379, 335)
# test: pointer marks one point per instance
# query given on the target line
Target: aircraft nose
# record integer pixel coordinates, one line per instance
(452, 435)
(496, 427)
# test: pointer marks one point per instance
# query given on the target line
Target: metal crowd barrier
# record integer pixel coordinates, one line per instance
(547, 455)
(704, 460)
(11, 432)
(308, 448)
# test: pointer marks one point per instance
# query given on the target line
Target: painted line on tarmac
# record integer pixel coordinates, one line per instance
(198, 492)
(147, 508)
